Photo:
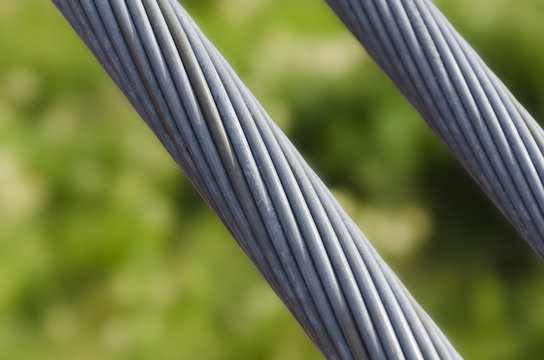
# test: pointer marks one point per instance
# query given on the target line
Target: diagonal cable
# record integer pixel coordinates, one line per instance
(319, 263)
(470, 109)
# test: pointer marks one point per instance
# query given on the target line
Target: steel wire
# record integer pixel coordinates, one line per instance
(284, 218)
(469, 108)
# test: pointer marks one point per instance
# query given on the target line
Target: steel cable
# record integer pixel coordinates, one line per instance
(461, 99)
(317, 260)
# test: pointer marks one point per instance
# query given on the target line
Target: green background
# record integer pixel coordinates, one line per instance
(107, 252)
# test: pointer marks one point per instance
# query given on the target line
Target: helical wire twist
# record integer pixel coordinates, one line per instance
(462, 100)
(320, 264)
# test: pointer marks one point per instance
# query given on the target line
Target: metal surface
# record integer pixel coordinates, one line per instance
(468, 107)
(316, 259)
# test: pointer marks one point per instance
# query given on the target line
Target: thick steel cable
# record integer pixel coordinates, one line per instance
(470, 109)
(316, 259)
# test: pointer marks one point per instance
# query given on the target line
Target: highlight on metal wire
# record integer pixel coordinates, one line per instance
(320, 264)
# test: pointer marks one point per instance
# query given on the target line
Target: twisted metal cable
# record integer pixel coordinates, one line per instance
(319, 263)
(470, 109)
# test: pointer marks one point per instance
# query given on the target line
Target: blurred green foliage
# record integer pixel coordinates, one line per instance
(106, 251)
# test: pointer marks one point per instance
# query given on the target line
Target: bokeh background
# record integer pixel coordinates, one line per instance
(107, 252)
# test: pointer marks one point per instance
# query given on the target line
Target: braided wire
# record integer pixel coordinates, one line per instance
(470, 109)
(320, 264)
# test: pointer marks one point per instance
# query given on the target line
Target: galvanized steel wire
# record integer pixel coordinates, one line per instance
(470, 109)
(317, 260)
